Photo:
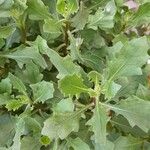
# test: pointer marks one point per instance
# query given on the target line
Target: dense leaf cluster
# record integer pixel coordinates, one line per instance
(74, 74)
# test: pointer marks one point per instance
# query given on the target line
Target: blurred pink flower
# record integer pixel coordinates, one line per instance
(131, 4)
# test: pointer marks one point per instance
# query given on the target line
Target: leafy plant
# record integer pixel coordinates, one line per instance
(74, 75)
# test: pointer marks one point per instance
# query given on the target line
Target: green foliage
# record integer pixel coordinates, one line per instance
(74, 75)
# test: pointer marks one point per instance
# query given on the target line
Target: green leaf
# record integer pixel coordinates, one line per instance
(52, 26)
(60, 125)
(17, 84)
(67, 7)
(65, 66)
(143, 92)
(142, 16)
(7, 125)
(74, 47)
(74, 86)
(15, 104)
(4, 99)
(5, 86)
(111, 88)
(32, 73)
(103, 18)
(94, 76)
(126, 143)
(81, 18)
(20, 128)
(29, 142)
(127, 63)
(108, 146)
(18, 8)
(42, 91)
(24, 55)
(131, 109)
(6, 31)
(37, 10)
(65, 105)
(98, 125)
(77, 144)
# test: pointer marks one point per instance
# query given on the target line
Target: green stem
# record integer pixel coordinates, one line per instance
(56, 142)
(66, 40)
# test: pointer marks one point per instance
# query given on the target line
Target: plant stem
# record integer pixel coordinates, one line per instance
(24, 35)
(67, 25)
(56, 144)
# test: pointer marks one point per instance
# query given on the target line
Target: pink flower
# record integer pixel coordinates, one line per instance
(131, 4)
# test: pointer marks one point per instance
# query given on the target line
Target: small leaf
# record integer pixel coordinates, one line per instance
(6, 31)
(20, 128)
(15, 104)
(65, 105)
(74, 86)
(5, 86)
(52, 26)
(32, 73)
(65, 66)
(74, 47)
(17, 84)
(81, 18)
(42, 91)
(141, 16)
(94, 76)
(103, 18)
(7, 125)
(143, 92)
(67, 7)
(4, 99)
(37, 10)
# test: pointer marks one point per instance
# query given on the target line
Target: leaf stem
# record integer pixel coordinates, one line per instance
(66, 41)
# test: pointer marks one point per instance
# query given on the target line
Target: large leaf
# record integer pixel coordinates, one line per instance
(126, 143)
(60, 125)
(24, 55)
(98, 125)
(131, 109)
(126, 63)
(42, 91)
(77, 144)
